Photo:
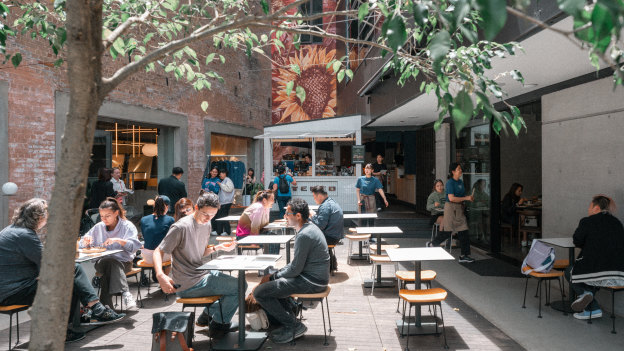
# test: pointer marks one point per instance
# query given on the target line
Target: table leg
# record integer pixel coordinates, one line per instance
(379, 283)
(417, 282)
(564, 305)
(379, 253)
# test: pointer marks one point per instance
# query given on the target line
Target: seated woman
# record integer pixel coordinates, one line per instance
(154, 228)
(114, 232)
(435, 203)
(183, 208)
(256, 216)
(511, 200)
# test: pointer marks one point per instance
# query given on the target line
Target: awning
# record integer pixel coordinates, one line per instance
(304, 135)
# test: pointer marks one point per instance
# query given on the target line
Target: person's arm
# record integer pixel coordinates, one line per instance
(322, 218)
(379, 189)
(581, 233)
(166, 283)
(227, 185)
(31, 247)
(183, 190)
(128, 241)
(275, 184)
(357, 195)
(295, 267)
(294, 182)
(431, 203)
(450, 190)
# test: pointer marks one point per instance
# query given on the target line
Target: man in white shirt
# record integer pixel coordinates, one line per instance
(119, 186)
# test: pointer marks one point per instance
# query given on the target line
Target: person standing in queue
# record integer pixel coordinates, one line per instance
(454, 218)
(281, 187)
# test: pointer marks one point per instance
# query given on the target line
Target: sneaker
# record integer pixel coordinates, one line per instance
(218, 330)
(105, 316)
(203, 320)
(287, 334)
(582, 302)
(72, 336)
(428, 244)
(129, 300)
(213, 233)
(466, 259)
(585, 314)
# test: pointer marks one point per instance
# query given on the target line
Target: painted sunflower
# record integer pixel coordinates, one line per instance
(318, 82)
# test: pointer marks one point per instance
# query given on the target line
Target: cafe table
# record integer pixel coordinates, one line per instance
(245, 340)
(427, 324)
(371, 216)
(313, 207)
(563, 306)
(268, 239)
(229, 218)
(379, 231)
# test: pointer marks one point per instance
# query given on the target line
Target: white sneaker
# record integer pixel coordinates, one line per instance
(128, 300)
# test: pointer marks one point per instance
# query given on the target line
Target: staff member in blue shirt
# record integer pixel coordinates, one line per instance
(365, 189)
(454, 218)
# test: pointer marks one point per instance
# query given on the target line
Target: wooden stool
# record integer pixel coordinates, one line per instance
(316, 297)
(540, 278)
(356, 238)
(332, 253)
(379, 260)
(431, 297)
(10, 310)
(613, 289)
(144, 265)
(248, 248)
(384, 247)
(404, 277)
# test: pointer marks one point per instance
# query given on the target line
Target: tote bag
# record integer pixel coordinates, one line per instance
(540, 258)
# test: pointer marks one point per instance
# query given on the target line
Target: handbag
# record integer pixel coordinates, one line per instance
(173, 331)
(540, 258)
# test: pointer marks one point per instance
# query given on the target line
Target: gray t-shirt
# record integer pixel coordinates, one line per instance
(186, 241)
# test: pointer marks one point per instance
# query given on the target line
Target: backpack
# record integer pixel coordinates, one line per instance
(283, 186)
(540, 258)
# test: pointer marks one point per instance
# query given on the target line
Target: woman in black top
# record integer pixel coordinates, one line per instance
(101, 188)
(512, 199)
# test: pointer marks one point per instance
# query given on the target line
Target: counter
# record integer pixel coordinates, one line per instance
(341, 189)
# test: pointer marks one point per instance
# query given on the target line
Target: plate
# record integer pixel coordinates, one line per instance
(92, 250)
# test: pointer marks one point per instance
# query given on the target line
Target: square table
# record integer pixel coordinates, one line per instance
(244, 340)
(268, 239)
(229, 218)
(417, 255)
(379, 231)
(370, 216)
(314, 207)
(563, 306)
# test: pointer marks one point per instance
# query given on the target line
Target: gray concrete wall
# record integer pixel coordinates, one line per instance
(443, 151)
(4, 151)
(520, 159)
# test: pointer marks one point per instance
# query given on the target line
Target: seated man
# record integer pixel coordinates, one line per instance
(187, 243)
(114, 232)
(20, 261)
(329, 219)
(308, 273)
(601, 260)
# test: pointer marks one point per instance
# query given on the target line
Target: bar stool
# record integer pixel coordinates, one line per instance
(353, 238)
(10, 310)
(431, 297)
(404, 277)
(316, 297)
(379, 260)
(540, 278)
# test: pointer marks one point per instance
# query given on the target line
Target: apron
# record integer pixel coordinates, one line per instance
(369, 203)
(454, 218)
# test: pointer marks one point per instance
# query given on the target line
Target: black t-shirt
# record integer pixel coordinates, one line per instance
(377, 167)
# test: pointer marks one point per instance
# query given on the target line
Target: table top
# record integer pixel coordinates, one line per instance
(418, 254)
(94, 256)
(240, 263)
(276, 225)
(313, 207)
(561, 242)
(229, 218)
(265, 239)
(379, 230)
(359, 215)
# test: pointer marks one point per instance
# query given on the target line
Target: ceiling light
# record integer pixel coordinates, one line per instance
(530, 85)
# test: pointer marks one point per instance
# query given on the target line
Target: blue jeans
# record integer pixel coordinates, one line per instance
(282, 202)
(273, 297)
(217, 283)
(580, 288)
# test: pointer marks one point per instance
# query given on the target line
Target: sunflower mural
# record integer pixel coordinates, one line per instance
(317, 81)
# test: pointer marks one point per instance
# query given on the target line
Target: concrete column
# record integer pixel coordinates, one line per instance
(442, 151)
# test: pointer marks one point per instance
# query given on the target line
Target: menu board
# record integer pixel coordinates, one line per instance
(357, 154)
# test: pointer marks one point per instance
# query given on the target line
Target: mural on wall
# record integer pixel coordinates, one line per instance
(318, 81)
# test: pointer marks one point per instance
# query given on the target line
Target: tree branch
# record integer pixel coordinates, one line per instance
(123, 28)
(317, 16)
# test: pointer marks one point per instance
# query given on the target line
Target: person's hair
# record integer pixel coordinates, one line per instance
(30, 213)
(318, 189)
(369, 165)
(299, 205)
(452, 167)
(177, 170)
(253, 173)
(105, 174)
(114, 168)
(308, 155)
(605, 203)
(112, 204)
(281, 169)
(262, 195)
(207, 199)
(223, 170)
(512, 190)
(380, 155)
(182, 203)
(159, 206)
(435, 182)
(213, 168)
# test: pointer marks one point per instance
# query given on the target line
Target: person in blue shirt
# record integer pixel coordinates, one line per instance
(211, 184)
(283, 197)
(154, 228)
(454, 218)
(365, 189)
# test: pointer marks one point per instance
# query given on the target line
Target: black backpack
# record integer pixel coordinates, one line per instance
(283, 186)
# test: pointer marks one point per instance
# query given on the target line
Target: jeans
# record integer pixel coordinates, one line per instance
(464, 240)
(223, 226)
(580, 288)
(273, 297)
(282, 202)
(217, 283)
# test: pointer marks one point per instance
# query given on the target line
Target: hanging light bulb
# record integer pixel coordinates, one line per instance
(150, 150)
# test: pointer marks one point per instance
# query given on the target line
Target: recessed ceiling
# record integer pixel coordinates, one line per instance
(548, 58)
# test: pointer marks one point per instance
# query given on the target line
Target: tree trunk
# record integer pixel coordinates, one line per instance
(50, 311)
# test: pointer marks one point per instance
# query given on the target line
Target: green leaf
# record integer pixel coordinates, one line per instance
(204, 105)
(469, 34)
(349, 73)
(363, 11)
(265, 6)
(395, 32)
(264, 38)
(340, 76)
(572, 7)
(58, 63)
(440, 45)
(602, 23)
(494, 14)
(462, 8)
(210, 57)
(289, 87)
(118, 44)
(222, 59)
(190, 52)
(462, 110)
(16, 59)
(516, 75)
(295, 68)
(171, 5)
(336, 65)
(301, 93)
(438, 124)
(420, 13)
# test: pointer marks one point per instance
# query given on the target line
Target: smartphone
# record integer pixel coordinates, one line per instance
(176, 286)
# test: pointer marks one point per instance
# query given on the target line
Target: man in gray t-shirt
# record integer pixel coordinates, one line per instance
(187, 243)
